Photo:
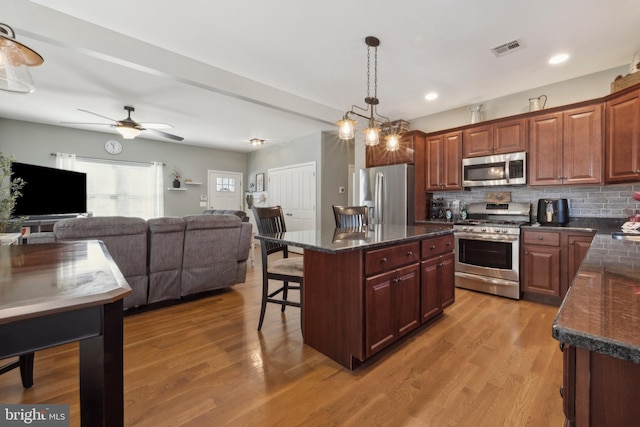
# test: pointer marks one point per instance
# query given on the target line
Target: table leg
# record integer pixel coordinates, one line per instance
(101, 372)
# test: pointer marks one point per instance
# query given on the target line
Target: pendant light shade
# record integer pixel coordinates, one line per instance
(15, 58)
(346, 128)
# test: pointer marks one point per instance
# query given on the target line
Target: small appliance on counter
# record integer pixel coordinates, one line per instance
(553, 211)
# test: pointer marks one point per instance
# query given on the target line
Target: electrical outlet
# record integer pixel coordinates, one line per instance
(341, 190)
(203, 197)
(203, 204)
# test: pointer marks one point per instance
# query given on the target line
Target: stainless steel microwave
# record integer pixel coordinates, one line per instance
(501, 169)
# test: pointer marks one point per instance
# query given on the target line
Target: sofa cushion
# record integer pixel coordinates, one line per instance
(204, 222)
(88, 228)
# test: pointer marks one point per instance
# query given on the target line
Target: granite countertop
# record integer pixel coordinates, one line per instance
(601, 311)
(597, 225)
(337, 240)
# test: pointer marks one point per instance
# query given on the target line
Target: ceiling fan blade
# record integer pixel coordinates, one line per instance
(156, 125)
(85, 123)
(96, 114)
(165, 134)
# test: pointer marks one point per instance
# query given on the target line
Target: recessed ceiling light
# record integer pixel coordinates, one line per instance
(431, 96)
(558, 58)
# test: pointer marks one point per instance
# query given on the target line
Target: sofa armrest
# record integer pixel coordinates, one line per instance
(244, 243)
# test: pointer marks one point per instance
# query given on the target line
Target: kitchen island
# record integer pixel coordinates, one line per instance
(365, 288)
(598, 326)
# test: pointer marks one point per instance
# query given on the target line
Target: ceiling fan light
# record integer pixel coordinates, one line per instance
(346, 128)
(372, 135)
(128, 132)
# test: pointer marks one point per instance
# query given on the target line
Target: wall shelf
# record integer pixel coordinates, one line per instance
(193, 183)
(177, 189)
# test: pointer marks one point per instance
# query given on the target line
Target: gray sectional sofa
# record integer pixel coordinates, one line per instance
(167, 258)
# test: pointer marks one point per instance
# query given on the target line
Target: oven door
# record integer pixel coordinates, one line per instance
(490, 255)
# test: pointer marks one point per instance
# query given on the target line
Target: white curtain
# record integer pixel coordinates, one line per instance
(158, 197)
(66, 161)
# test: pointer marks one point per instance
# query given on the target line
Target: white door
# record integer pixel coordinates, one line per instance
(224, 190)
(294, 188)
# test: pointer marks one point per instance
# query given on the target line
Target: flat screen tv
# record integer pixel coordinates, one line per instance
(49, 191)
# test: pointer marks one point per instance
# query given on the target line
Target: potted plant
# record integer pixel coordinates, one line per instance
(175, 174)
(9, 193)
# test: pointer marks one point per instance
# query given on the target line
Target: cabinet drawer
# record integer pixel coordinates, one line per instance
(380, 260)
(541, 238)
(437, 246)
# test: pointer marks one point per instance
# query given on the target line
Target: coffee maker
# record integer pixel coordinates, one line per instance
(553, 211)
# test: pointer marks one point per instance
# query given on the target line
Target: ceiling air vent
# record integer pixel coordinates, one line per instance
(505, 48)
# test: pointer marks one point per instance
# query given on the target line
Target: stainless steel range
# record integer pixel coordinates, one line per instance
(488, 248)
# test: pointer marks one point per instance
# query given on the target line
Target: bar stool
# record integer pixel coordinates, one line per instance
(351, 216)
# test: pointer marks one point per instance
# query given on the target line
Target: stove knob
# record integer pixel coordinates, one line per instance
(483, 229)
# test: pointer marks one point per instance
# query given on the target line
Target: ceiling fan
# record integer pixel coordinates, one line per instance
(128, 127)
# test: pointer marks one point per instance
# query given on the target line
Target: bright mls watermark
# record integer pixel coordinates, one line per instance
(34, 415)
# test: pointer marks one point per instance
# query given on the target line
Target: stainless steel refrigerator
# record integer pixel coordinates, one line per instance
(389, 193)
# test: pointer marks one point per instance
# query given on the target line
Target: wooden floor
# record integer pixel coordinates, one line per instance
(488, 361)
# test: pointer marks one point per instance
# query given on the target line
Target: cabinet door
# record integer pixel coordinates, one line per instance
(545, 150)
(430, 304)
(379, 312)
(446, 279)
(452, 161)
(434, 163)
(407, 298)
(542, 270)
(478, 141)
(622, 141)
(582, 144)
(510, 136)
(577, 247)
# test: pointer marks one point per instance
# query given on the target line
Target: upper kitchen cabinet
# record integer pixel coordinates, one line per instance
(566, 147)
(444, 161)
(505, 136)
(623, 134)
(378, 155)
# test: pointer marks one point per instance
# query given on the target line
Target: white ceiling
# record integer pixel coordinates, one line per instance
(224, 72)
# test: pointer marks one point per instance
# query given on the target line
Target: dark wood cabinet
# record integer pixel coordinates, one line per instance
(566, 147)
(378, 155)
(599, 390)
(437, 276)
(551, 260)
(622, 158)
(506, 136)
(392, 306)
(444, 162)
(392, 294)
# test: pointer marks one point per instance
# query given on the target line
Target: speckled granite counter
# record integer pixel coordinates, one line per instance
(599, 225)
(337, 240)
(601, 311)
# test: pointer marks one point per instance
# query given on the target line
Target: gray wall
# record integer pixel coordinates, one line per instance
(32, 143)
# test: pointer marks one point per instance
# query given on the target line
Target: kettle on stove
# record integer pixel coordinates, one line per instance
(553, 211)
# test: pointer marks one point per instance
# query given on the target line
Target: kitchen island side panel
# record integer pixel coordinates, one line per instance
(333, 301)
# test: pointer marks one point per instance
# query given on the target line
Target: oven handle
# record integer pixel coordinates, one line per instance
(484, 236)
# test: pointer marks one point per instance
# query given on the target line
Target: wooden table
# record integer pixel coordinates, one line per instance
(56, 293)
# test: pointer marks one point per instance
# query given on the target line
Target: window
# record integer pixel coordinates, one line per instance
(225, 184)
(116, 188)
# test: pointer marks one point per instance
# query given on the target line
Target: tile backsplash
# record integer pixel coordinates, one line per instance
(603, 202)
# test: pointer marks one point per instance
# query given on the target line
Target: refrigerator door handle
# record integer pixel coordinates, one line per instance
(379, 198)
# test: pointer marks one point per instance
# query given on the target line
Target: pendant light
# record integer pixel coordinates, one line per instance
(376, 123)
(15, 57)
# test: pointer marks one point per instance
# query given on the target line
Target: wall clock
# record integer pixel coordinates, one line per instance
(113, 147)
